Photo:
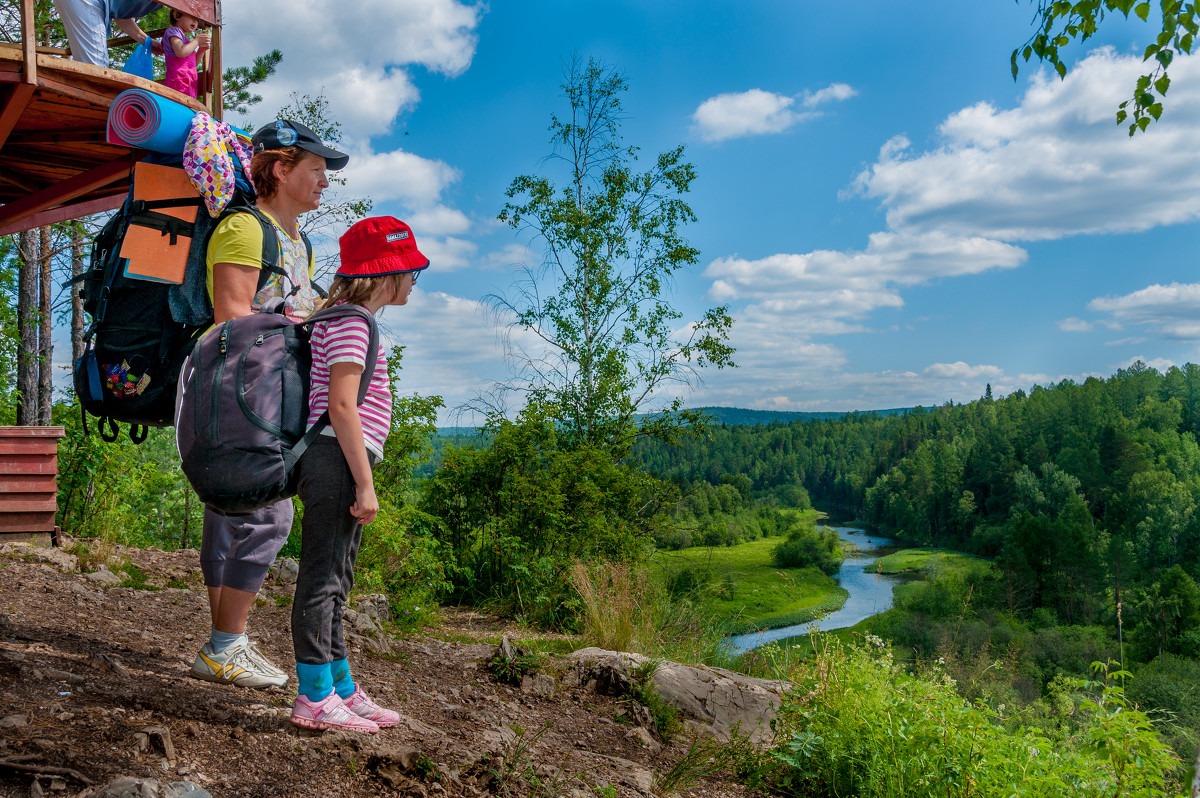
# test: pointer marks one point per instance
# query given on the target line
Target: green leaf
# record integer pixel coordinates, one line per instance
(1164, 57)
(1143, 122)
(1121, 116)
(1142, 10)
(1028, 52)
(1162, 84)
(1155, 110)
(1061, 69)
(1014, 64)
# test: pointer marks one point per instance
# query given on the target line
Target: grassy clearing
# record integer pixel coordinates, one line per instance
(927, 562)
(746, 590)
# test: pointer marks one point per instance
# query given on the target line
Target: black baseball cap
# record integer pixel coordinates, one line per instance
(286, 133)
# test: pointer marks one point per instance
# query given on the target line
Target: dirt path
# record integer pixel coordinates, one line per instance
(94, 679)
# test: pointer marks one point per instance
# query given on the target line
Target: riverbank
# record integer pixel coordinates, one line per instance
(744, 589)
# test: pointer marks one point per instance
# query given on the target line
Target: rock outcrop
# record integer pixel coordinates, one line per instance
(721, 702)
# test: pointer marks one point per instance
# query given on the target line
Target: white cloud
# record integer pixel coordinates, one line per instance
(753, 112)
(1172, 311)
(362, 70)
(1075, 325)
(399, 176)
(1054, 166)
(448, 254)
(1159, 364)
(835, 92)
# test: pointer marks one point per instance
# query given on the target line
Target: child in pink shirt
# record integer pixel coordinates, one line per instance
(181, 53)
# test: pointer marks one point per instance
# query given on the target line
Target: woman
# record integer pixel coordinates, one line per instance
(288, 168)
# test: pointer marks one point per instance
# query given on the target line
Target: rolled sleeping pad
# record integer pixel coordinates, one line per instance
(138, 118)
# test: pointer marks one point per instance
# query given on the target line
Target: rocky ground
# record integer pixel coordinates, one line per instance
(94, 689)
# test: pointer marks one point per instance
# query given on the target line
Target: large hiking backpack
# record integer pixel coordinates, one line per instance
(142, 330)
(243, 406)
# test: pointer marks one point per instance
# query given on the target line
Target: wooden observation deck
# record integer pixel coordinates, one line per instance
(55, 159)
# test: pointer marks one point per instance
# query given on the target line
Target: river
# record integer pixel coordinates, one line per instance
(870, 593)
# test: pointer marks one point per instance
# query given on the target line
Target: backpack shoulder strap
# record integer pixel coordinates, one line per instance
(331, 314)
(270, 244)
(345, 311)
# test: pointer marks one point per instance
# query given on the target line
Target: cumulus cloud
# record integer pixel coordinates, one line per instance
(1172, 311)
(363, 72)
(1054, 166)
(756, 112)
(1075, 325)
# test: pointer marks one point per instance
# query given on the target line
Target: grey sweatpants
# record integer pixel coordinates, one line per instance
(237, 550)
(328, 548)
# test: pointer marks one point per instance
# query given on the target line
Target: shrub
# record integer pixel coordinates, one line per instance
(856, 724)
(806, 546)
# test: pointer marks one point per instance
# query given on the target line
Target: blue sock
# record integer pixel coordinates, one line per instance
(316, 683)
(342, 683)
(219, 641)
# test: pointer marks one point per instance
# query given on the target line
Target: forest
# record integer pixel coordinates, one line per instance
(1079, 498)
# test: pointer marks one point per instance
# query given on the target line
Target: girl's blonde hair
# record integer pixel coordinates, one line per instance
(357, 290)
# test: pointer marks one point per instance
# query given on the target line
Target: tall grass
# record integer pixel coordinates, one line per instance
(625, 608)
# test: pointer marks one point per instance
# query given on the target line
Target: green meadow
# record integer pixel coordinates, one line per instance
(925, 562)
(746, 591)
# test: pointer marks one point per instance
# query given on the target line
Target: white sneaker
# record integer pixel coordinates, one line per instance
(265, 665)
(237, 665)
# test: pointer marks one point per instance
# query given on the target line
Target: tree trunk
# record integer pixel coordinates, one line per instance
(45, 337)
(27, 370)
(77, 251)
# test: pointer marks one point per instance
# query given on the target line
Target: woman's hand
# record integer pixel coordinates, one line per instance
(366, 505)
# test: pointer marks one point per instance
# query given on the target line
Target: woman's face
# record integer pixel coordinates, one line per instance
(303, 184)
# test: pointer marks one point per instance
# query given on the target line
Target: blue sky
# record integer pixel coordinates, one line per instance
(890, 217)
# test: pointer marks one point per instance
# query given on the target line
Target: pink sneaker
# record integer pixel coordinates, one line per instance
(364, 707)
(329, 713)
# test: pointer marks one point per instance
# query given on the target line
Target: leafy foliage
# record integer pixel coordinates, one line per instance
(858, 724)
(1059, 22)
(807, 546)
(606, 339)
(516, 513)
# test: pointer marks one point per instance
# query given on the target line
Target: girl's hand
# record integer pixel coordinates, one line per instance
(365, 506)
(203, 41)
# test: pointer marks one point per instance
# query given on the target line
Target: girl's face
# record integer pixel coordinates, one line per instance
(404, 289)
(303, 184)
(187, 23)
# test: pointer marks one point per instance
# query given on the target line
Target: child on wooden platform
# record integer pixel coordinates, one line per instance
(181, 52)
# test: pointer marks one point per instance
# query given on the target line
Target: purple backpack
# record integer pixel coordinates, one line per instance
(243, 404)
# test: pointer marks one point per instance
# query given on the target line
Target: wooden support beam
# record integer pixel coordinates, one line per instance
(64, 213)
(18, 98)
(29, 42)
(64, 192)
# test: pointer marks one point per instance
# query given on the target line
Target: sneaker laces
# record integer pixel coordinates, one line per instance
(259, 660)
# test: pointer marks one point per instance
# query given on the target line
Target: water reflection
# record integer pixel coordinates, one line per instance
(870, 593)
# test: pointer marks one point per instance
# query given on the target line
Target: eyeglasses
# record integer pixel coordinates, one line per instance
(414, 276)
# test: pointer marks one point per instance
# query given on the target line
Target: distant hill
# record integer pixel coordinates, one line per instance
(734, 416)
(745, 417)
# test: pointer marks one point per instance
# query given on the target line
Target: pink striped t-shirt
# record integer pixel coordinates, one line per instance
(345, 341)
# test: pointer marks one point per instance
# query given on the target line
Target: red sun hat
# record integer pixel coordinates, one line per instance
(378, 246)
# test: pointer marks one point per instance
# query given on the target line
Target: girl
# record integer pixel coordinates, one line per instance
(181, 53)
(379, 265)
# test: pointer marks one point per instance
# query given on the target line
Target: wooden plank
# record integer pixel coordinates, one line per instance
(18, 99)
(32, 431)
(217, 106)
(32, 483)
(63, 213)
(42, 138)
(64, 192)
(26, 522)
(78, 91)
(29, 43)
(8, 466)
(29, 446)
(28, 504)
(208, 11)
